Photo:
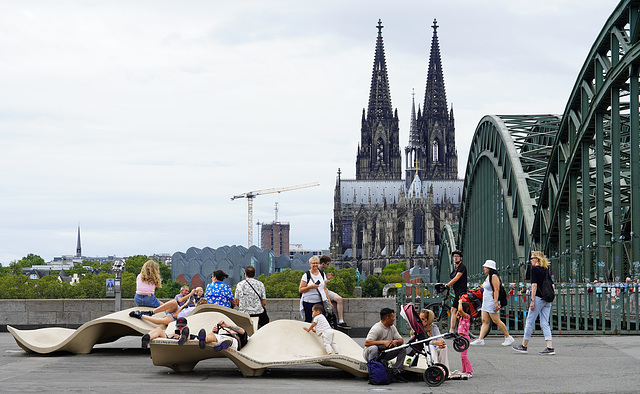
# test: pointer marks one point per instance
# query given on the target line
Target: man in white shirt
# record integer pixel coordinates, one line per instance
(252, 297)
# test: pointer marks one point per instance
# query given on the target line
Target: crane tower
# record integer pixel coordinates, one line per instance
(252, 194)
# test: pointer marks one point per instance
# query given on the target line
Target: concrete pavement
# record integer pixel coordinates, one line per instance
(582, 365)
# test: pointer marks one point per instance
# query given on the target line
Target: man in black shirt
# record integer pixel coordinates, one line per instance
(459, 283)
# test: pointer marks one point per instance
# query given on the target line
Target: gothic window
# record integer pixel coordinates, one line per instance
(418, 228)
(380, 151)
(435, 151)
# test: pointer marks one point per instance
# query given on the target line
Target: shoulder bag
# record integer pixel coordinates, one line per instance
(263, 318)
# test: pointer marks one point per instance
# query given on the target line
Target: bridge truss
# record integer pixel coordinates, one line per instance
(568, 185)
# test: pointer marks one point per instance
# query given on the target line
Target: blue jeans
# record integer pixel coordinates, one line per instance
(146, 300)
(542, 308)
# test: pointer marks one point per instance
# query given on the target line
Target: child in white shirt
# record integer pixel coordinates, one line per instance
(321, 326)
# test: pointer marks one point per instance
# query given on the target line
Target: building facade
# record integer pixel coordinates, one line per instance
(275, 237)
(379, 217)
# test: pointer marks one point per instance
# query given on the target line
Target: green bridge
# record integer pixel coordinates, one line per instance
(568, 185)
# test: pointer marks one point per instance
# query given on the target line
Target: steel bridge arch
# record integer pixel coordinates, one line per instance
(569, 185)
(588, 220)
(505, 170)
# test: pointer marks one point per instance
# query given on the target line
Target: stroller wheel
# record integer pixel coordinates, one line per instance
(434, 376)
(444, 369)
(460, 344)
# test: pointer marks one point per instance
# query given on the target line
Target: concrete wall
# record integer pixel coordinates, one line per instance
(359, 313)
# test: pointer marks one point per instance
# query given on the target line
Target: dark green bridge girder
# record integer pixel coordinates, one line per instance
(568, 184)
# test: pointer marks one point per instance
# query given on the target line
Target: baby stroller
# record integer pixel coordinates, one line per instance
(419, 344)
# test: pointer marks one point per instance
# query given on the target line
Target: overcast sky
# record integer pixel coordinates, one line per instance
(138, 120)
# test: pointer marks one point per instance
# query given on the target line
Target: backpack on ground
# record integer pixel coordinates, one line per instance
(379, 373)
(547, 293)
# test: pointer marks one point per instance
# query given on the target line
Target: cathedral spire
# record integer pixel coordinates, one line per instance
(414, 138)
(435, 97)
(379, 151)
(379, 96)
(78, 247)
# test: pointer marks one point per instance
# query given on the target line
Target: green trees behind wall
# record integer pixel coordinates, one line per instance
(15, 285)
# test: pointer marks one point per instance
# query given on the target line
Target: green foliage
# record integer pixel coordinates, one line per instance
(283, 284)
(394, 269)
(172, 288)
(165, 273)
(14, 287)
(373, 284)
(134, 263)
(15, 267)
(343, 281)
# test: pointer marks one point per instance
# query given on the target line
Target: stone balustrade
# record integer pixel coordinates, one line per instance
(359, 313)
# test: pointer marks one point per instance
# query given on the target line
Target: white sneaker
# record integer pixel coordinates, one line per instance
(508, 341)
(478, 342)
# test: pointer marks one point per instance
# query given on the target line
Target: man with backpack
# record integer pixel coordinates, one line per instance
(384, 337)
(459, 283)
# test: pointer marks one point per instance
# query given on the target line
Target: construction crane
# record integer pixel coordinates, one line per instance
(251, 195)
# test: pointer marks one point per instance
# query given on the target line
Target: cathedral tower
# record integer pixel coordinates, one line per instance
(379, 154)
(432, 152)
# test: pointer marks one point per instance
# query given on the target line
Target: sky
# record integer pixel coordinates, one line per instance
(139, 120)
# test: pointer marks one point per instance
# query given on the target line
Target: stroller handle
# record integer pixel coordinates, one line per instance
(449, 335)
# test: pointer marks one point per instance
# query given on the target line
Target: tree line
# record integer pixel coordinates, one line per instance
(15, 285)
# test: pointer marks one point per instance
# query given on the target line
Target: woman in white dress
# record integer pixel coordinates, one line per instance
(491, 306)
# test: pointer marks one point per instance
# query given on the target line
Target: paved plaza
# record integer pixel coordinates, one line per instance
(582, 365)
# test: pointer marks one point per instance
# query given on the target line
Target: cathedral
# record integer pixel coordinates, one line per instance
(380, 218)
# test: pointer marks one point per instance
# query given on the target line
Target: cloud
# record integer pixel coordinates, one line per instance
(140, 120)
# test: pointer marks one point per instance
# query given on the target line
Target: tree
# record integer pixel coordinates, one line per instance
(343, 281)
(134, 263)
(394, 269)
(372, 286)
(283, 284)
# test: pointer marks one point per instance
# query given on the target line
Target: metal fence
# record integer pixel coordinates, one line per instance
(589, 309)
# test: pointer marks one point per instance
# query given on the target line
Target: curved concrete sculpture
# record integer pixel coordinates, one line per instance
(279, 343)
(105, 329)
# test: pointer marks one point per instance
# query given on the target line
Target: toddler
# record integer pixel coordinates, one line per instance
(464, 310)
(321, 326)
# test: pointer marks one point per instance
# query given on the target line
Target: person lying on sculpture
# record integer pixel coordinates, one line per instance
(181, 333)
(225, 335)
(172, 311)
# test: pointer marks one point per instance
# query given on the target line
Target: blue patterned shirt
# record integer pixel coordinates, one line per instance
(219, 293)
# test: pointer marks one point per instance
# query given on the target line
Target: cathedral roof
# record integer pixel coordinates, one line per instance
(361, 192)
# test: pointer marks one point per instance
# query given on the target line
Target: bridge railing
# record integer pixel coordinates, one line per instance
(577, 309)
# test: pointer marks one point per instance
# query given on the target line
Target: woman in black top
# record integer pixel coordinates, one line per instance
(538, 306)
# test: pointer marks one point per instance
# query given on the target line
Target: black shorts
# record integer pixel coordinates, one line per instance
(455, 300)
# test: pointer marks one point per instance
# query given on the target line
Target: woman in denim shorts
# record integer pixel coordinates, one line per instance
(146, 282)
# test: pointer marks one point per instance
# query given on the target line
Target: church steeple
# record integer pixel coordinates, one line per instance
(438, 157)
(78, 247)
(379, 95)
(435, 96)
(379, 151)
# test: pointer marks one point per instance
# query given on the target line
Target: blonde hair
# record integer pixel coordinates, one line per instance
(542, 259)
(198, 289)
(202, 301)
(150, 273)
(428, 326)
